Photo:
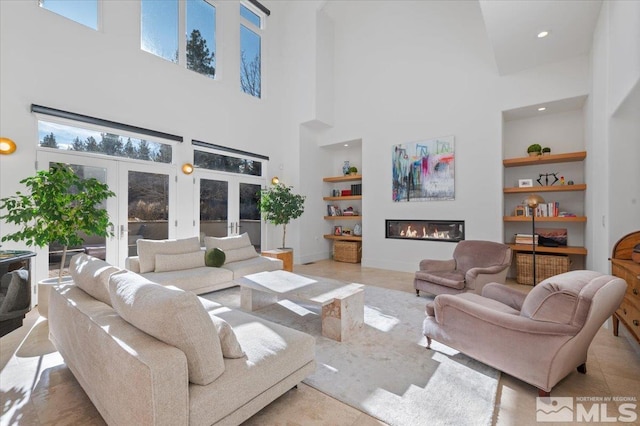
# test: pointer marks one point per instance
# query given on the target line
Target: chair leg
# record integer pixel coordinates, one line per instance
(582, 368)
(417, 293)
(543, 393)
(428, 342)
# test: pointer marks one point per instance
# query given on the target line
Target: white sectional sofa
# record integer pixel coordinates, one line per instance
(181, 263)
(147, 354)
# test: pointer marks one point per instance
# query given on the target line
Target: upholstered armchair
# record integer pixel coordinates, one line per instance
(474, 264)
(15, 300)
(538, 338)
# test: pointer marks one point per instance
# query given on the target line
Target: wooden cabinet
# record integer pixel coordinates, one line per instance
(557, 192)
(622, 266)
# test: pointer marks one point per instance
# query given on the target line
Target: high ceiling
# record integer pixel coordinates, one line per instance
(513, 25)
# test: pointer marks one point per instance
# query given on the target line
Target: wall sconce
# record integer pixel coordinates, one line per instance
(275, 180)
(187, 168)
(7, 146)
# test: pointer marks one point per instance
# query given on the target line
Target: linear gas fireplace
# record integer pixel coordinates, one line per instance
(429, 230)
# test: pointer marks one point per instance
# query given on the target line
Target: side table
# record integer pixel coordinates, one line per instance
(286, 255)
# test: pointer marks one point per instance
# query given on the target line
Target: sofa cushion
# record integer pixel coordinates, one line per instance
(179, 262)
(194, 279)
(243, 253)
(214, 257)
(228, 243)
(148, 249)
(172, 316)
(253, 266)
(453, 279)
(92, 275)
(229, 342)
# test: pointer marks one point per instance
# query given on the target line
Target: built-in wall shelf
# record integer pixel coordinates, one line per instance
(545, 159)
(345, 178)
(545, 219)
(345, 198)
(343, 237)
(552, 188)
(342, 217)
(549, 250)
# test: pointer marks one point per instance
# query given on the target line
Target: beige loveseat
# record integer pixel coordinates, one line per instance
(147, 354)
(181, 263)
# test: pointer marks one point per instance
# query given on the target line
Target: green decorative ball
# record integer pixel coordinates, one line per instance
(215, 257)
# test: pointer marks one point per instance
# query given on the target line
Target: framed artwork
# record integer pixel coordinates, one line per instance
(520, 211)
(525, 183)
(337, 230)
(423, 171)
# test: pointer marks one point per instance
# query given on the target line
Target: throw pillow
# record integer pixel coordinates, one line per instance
(179, 262)
(228, 243)
(215, 257)
(92, 276)
(228, 341)
(147, 250)
(238, 254)
(175, 317)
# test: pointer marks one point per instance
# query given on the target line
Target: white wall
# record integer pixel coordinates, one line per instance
(52, 61)
(613, 131)
(420, 70)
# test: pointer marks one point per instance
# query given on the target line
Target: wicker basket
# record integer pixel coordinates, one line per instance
(347, 251)
(546, 266)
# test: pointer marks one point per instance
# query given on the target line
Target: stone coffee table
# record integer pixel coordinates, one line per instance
(342, 304)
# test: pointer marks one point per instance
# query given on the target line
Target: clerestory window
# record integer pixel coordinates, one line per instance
(84, 12)
(160, 33)
(251, 27)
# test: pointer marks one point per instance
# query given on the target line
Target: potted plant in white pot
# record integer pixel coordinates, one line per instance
(58, 206)
(279, 206)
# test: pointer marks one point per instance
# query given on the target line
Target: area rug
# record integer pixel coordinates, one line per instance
(385, 370)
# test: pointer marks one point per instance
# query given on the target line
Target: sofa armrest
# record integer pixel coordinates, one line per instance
(434, 265)
(473, 273)
(448, 307)
(132, 263)
(131, 377)
(504, 294)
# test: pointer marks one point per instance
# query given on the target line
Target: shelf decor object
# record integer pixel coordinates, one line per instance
(533, 201)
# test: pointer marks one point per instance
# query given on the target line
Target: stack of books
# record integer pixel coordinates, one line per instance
(551, 209)
(526, 239)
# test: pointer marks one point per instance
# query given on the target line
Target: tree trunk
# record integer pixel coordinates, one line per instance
(62, 262)
(284, 234)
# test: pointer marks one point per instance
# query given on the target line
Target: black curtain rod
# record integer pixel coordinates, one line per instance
(227, 149)
(100, 122)
(260, 6)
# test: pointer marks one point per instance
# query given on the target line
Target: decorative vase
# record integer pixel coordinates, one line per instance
(345, 168)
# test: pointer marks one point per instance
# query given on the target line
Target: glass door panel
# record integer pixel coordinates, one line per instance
(148, 196)
(214, 208)
(249, 198)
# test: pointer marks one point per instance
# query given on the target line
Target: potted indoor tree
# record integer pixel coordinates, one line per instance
(279, 206)
(58, 207)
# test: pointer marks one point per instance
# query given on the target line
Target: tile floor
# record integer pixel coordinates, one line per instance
(41, 390)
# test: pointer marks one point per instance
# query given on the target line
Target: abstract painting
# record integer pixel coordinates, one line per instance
(424, 171)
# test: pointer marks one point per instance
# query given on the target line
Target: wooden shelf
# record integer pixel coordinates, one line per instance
(545, 159)
(341, 217)
(345, 198)
(554, 188)
(343, 237)
(545, 219)
(345, 178)
(549, 250)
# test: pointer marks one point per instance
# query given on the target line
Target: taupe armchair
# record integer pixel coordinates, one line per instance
(474, 264)
(538, 338)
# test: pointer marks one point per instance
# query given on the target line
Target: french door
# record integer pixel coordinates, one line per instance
(143, 207)
(228, 205)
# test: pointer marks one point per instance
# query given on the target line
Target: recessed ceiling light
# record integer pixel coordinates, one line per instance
(346, 144)
(543, 34)
(542, 108)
